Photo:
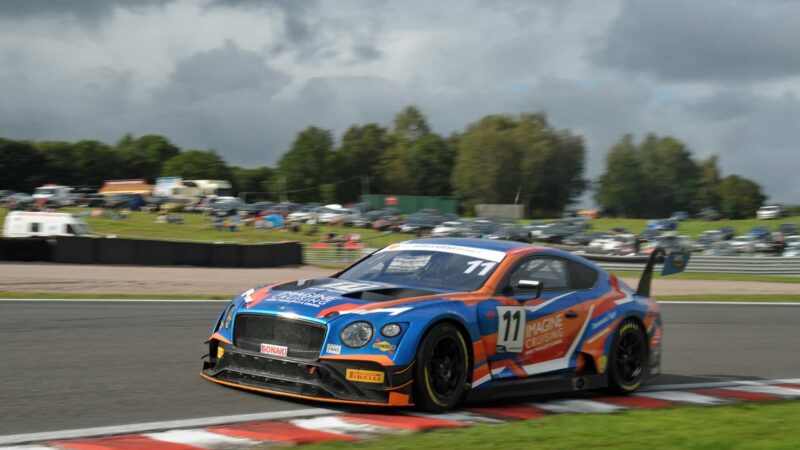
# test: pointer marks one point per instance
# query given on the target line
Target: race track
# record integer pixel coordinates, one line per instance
(73, 364)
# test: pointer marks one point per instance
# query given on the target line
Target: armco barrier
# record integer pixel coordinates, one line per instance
(163, 253)
(745, 265)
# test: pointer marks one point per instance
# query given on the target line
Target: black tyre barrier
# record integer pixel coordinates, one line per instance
(85, 250)
(25, 249)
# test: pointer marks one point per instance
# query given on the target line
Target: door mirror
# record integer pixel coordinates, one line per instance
(529, 286)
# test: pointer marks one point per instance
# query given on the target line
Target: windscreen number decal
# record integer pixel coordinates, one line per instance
(510, 328)
(486, 267)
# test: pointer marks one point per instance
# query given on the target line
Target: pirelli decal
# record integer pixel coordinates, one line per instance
(364, 376)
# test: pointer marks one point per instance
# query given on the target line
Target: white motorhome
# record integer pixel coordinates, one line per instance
(53, 194)
(213, 188)
(43, 224)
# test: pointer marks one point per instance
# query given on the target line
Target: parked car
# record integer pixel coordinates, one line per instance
(765, 244)
(744, 243)
(727, 233)
(510, 232)
(770, 212)
(720, 248)
(387, 222)
(788, 229)
(582, 239)
(758, 232)
(420, 223)
(792, 252)
(679, 216)
(18, 200)
(453, 228)
(792, 241)
(708, 214)
(53, 195)
(662, 225)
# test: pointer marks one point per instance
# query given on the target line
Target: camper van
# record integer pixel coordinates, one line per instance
(43, 224)
(53, 195)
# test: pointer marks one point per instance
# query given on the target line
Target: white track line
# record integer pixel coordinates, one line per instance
(114, 300)
(159, 426)
(678, 302)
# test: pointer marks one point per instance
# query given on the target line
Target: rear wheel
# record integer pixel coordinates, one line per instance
(442, 369)
(628, 359)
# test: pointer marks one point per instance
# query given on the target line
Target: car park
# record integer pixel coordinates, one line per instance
(19, 224)
(788, 229)
(53, 195)
(710, 214)
(510, 232)
(434, 322)
(744, 243)
(679, 216)
(758, 232)
(453, 228)
(662, 225)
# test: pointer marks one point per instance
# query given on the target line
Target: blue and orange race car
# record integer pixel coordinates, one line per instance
(432, 322)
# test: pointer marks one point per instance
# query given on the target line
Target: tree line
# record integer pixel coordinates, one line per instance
(519, 159)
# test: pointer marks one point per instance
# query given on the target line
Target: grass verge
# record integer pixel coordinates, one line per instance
(743, 426)
(79, 295)
(715, 276)
(792, 298)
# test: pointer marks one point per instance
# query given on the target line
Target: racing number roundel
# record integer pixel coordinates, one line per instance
(510, 328)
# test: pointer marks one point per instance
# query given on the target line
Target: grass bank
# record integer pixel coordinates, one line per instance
(744, 426)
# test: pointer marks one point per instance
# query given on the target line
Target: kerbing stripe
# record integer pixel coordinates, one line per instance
(199, 438)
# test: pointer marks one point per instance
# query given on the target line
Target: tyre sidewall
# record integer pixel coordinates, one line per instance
(424, 394)
(615, 382)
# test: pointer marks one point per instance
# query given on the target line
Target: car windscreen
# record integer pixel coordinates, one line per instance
(452, 270)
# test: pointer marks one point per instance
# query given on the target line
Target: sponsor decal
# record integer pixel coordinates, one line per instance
(274, 350)
(312, 299)
(364, 376)
(485, 254)
(220, 352)
(609, 317)
(384, 346)
(544, 333)
(602, 361)
(333, 349)
(255, 296)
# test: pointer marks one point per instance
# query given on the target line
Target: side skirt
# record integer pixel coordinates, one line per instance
(538, 386)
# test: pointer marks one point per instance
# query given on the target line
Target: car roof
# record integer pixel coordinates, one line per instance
(485, 244)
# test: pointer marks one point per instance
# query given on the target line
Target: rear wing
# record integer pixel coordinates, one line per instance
(673, 262)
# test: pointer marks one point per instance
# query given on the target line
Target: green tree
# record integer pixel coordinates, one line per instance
(359, 155)
(618, 191)
(197, 164)
(740, 198)
(307, 165)
(671, 181)
(60, 162)
(94, 162)
(708, 184)
(431, 164)
(20, 165)
(410, 124)
(144, 157)
(506, 159)
(258, 181)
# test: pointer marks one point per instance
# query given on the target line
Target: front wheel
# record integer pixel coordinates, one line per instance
(442, 369)
(628, 359)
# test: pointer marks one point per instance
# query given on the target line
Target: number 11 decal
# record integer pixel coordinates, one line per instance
(510, 328)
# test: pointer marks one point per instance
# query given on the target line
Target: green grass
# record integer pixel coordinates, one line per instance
(739, 427)
(196, 228)
(80, 295)
(793, 298)
(715, 276)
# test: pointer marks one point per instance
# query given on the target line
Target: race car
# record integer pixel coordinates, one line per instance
(433, 322)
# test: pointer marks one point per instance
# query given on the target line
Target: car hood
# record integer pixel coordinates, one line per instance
(324, 299)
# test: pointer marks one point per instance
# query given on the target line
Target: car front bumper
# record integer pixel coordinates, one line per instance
(339, 381)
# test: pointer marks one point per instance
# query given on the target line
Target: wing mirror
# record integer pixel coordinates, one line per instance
(524, 286)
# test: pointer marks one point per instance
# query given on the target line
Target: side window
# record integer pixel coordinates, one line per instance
(552, 272)
(581, 277)
(71, 229)
(34, 227)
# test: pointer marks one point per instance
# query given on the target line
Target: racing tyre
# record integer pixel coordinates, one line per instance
(441, 369)
(628, 360)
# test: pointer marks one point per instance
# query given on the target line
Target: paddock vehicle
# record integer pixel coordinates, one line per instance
(432, 322)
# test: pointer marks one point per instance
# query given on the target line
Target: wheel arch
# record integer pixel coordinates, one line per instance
(465, 333)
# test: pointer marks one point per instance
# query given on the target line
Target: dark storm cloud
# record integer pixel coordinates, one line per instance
(723, 105)
(88, 12)
(220, 71)
(704, 40)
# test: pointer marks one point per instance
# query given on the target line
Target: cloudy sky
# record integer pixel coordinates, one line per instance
(244, 76)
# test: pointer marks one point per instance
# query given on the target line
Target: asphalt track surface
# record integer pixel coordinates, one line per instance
(68, 365)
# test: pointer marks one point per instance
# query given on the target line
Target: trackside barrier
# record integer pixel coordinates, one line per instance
(86, 250)
(25, 249)
(334, 254)
(743, 265)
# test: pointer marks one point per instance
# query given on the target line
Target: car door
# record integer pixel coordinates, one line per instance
(536, 335)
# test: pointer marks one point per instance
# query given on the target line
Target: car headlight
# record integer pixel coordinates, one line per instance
(229, 316)
(391, 330)
(357, 334)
